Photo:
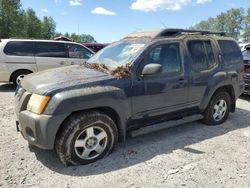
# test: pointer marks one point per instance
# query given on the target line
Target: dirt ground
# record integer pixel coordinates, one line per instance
(191, 155)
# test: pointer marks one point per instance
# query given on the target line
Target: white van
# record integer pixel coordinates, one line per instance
(19, 57)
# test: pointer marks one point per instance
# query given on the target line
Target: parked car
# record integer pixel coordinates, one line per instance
(246, 56)
(243, 46)
(143, 83)
(94, 46)
(19, 57)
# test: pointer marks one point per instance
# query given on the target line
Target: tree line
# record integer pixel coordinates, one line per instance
(20, 23)
(236, 22)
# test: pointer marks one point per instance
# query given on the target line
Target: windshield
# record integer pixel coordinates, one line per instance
(117, 54)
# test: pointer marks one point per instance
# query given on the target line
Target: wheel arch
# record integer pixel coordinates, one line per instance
(113, 114)
(225, 88)
(18, 70)
(230, 90)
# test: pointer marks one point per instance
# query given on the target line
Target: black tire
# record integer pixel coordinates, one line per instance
(76, 126)
(210, 110)
(17, 74)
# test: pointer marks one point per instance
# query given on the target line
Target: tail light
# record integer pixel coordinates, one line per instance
(243, 71)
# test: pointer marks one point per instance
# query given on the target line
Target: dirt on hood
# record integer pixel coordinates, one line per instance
(118, 72)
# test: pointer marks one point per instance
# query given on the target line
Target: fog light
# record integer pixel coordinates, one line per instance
(30, 133)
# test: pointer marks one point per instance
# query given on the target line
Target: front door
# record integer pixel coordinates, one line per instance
(162, 93)
(203, 64)
(77, 54)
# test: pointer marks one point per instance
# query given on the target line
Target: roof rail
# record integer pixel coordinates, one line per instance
(25, 38)
(176, 32)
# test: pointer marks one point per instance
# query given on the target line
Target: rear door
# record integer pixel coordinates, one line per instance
(203, 58)
(246, 56)
(50, 55)
(77, 54)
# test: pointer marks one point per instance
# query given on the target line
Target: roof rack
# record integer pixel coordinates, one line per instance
(159, 33)
(176, 32)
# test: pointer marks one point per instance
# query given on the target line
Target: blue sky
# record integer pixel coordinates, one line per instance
(109, 20)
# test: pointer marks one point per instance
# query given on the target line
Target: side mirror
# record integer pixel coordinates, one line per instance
(151, 69)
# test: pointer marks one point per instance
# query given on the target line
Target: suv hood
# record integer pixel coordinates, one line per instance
(61, 78)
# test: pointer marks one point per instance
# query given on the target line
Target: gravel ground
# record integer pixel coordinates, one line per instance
(191, 155)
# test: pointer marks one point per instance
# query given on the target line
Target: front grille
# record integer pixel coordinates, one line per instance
(21, 100)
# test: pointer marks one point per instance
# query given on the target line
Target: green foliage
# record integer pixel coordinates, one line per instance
(80, 38)
(48, 28)
(233, 21)
(246, 27)
(9, 17)
(33, 24)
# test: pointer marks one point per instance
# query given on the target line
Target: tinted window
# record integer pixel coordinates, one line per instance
(246, 55)
(202, 55)
(19, 48)
(95, 48)
(76, 51)
(168, 55)
(210, 54)
(230, 51)
(50, 49)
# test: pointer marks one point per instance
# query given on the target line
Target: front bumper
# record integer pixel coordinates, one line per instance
(39, 130)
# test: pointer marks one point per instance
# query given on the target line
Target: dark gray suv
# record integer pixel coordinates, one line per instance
(145, 82)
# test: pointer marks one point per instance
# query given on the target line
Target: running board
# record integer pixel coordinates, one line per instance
(165, 125)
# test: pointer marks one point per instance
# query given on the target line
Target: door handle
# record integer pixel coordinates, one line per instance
(62, 63)
(182, 81)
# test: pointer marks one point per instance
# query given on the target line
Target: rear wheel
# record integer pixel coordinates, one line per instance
(86, 138)
(18, 76)
(218, 109)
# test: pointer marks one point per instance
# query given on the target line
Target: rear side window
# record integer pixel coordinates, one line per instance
(50, 49)
(230, 52)
(19, 48)
(202, 55)
(210, 54)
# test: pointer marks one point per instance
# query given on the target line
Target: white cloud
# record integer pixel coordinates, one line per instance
(44, 10)
(154, 5)
(203, 1)
(75, 2)
(101, 10)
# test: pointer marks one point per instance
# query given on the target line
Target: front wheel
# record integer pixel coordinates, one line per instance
(86, 138)
(218, 109)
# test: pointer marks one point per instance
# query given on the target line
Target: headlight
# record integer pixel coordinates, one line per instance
(37, 103)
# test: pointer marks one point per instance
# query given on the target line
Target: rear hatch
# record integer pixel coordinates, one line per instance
(247, 69)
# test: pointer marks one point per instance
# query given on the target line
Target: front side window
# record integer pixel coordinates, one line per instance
(50, 49)
(167, 55)
(19, 48)
(202, 55)
(76, 51)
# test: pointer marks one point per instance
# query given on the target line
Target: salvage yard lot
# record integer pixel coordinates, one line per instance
(191, 155)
